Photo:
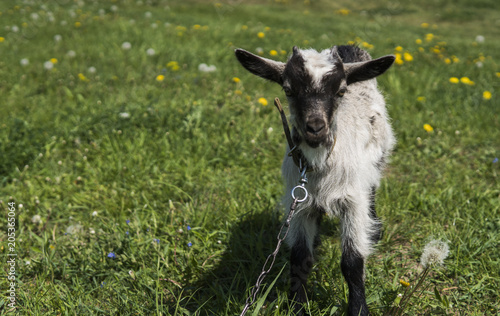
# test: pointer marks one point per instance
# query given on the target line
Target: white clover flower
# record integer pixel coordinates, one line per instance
(259, 50)
(20, 206)
(57, 37)
(124, 115)
(91, 69)
(434, 253)
(150, 52)
(34, 16)
(25, 62)
(71, 53)
(126, 45)
(480, 39)
(94, 213)
(14, 28)
(48, 65)
(91, 230)
(28, 262)
(36, 219)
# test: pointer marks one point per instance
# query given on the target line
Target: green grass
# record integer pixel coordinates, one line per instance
(199, 150)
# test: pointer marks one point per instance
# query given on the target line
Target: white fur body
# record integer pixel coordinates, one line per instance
(346, 175)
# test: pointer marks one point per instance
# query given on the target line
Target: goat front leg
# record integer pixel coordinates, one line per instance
(302, 240)
(359, 227)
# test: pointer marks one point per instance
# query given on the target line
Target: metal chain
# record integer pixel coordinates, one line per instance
(272, 257)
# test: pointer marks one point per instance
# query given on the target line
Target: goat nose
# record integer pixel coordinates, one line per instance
(315, 126)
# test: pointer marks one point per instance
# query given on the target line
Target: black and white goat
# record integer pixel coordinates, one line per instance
(333, 101)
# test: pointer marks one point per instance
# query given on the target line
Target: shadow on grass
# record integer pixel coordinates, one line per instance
(224, 289)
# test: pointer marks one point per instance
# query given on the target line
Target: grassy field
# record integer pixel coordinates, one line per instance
(146, 183)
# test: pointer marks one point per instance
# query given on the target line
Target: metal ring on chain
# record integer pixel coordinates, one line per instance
(306, 194)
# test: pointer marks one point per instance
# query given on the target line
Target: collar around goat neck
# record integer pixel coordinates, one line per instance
(296, 154)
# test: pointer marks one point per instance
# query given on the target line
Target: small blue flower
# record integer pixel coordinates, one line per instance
(189, 227)
(128, 221)
(103, 284)
(190, 244)
(126, 232)
(111, 255)
(495, 160)
(156, 240)
(147, 230)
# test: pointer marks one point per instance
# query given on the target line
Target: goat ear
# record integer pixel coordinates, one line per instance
(366, 70)
(262, 67)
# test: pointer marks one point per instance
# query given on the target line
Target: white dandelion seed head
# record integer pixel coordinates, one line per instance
(57, 37)
(64, 23)
(148, 15)
(131, 21)
(101, 12)
(479, 64)
(114, 8)
(150, 52)
(434, 253)
(36, 219)
(34, 16)
(71, 53)
(48, 65)
(25, 62)
(91, 70)
(480, 39)
(206, 68)
(74, 229)
(126, 45)
(14, 28)
(154, 25)
(124, 115)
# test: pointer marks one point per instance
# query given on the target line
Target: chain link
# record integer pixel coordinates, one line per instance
(281, 237)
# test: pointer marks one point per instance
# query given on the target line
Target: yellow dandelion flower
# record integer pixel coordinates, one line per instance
(351, 42)
(428, 128)
(52, 247)
(283, 52)
(236, 79)
(486, 95)
(421, 49)
(429, 37)
(267, 29)
(205, 27)
(196, 27)
(466, 80)
(2, 39)
(498, 74)
(454, 80)
(261, 35)
(78, 24)
(82, 77)
(367, 45)
(455, 59)
(447, 61)
(407, 56)
(24, 24)
(263, 101)
(53, 60)
(404, 283)
(180, 28)
(173, 65)
(273, 53)
(218, 5)
(343, 12)
(399, 60)
(244, 27)
(421, 99)
(398, 49)
(418, 41)
(238, 92)
(160, 78)
(424, 25)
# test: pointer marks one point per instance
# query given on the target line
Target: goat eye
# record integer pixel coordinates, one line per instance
(341, 92)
